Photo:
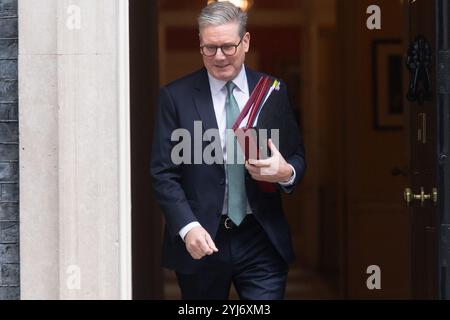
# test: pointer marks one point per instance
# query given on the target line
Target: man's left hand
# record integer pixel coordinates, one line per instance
(274, 169)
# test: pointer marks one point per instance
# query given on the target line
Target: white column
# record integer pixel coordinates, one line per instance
(85, 161)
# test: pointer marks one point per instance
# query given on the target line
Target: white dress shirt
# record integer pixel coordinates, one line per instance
(219, 96)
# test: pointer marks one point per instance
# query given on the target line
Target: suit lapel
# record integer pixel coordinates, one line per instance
(203, 101)
(252, 79)
(204, 105)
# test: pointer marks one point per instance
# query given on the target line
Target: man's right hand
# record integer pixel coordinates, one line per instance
(199, 243)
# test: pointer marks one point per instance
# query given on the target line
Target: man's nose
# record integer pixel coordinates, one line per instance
(219, 54)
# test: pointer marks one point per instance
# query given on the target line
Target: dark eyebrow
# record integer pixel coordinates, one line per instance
(222, 45)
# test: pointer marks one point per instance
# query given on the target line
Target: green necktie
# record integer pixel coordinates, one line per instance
(237, 200)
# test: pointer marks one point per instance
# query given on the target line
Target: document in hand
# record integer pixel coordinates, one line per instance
(266, 114)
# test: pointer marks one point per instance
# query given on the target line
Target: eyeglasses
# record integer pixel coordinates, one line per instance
(227, 50)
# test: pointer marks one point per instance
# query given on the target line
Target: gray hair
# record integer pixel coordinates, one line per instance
(220, 13)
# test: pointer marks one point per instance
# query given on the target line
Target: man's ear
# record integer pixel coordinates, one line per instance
(247, 42)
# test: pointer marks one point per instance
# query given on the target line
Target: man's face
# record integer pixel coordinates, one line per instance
(220, 66)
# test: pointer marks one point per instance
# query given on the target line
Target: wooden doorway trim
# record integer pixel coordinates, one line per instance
(144, 84)
(346, 11)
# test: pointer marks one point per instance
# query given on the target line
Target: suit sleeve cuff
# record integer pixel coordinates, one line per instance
(184, 231)
(290, 182)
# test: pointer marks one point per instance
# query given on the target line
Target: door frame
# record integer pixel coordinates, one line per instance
(146, 218)
(443, 144)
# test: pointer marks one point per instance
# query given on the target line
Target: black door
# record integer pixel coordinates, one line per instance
(428, 94)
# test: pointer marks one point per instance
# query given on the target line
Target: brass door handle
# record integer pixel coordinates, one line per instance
(409, 196)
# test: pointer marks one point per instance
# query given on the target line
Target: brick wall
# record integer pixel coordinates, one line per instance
(9, 152)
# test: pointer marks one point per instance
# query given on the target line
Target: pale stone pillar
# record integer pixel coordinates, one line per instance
(74, 178)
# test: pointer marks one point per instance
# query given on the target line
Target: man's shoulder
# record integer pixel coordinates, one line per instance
(186, 81)
(258, 74)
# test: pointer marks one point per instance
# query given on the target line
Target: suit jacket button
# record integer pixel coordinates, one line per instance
(222, 181)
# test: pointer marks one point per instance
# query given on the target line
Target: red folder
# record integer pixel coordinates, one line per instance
(248, 142)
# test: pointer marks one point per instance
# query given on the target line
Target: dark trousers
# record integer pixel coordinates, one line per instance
(247, 259)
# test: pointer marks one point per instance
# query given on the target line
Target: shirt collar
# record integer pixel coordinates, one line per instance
(240, 81)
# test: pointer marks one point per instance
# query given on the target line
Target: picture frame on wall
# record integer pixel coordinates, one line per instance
(388, 84)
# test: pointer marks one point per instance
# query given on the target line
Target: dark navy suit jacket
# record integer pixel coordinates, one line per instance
(195, 192)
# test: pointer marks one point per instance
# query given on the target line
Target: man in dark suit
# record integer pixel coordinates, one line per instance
(221, 228)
